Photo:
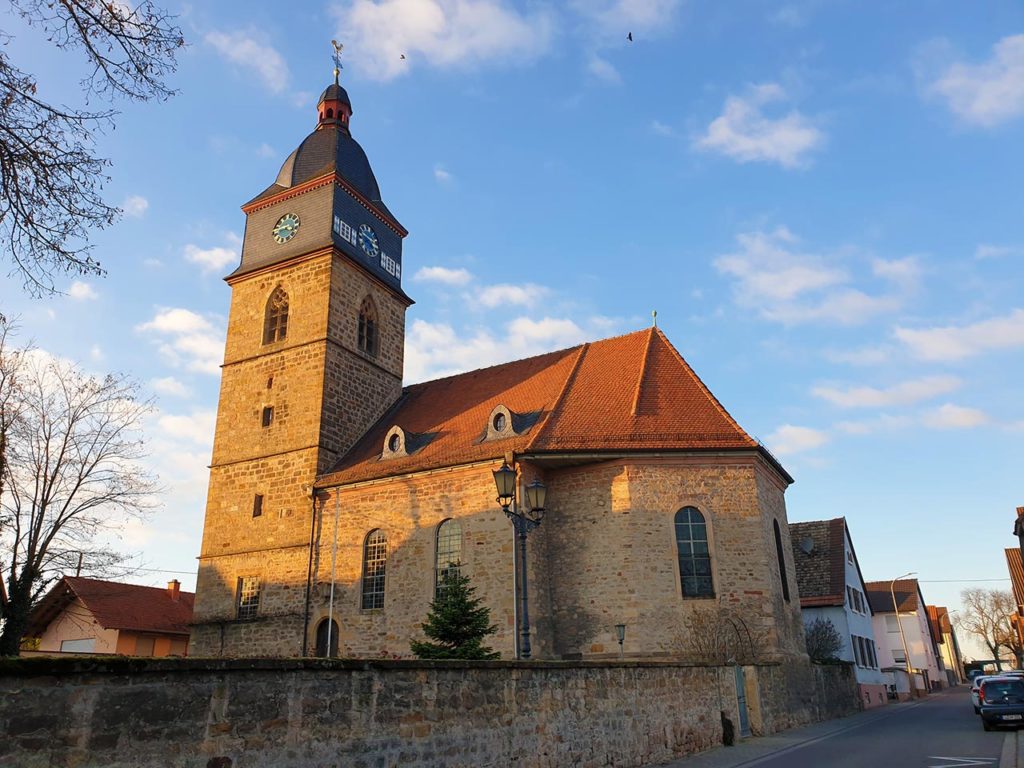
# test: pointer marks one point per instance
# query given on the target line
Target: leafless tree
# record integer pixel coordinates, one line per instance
(823, 640)
(717, 634)
(72, 477)
(986, 614)
(51, 179)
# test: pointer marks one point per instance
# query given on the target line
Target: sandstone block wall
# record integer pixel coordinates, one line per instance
(202, 714)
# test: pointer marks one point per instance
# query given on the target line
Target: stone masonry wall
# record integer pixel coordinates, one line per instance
(195, 714)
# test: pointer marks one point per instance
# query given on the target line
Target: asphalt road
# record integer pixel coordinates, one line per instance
(940, 732)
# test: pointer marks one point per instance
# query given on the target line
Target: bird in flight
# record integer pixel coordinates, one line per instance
(402, 56)
(630, 37)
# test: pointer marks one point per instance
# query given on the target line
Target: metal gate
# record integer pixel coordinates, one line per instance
(741, 701)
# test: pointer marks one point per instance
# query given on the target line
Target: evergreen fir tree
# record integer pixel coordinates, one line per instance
(457, 622)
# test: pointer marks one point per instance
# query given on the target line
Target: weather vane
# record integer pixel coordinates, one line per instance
(337, 59)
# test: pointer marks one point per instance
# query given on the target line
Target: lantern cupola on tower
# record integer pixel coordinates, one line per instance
(334, 107)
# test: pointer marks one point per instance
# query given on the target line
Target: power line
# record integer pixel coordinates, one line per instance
(165, 570)
(955, 581)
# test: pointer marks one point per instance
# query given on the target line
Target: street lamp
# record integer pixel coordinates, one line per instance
(620, 631)
(899, 623)
(523, 523)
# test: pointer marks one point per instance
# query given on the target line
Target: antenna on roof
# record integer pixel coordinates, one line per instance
(654, 318)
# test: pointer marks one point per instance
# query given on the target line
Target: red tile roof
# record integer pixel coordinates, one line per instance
(628, 393)
(880, 597)
(821, 572)
(117, 606)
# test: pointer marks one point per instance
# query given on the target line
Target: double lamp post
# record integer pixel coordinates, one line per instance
(523, 521)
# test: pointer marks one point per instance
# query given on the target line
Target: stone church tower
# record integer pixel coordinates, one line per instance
(313, 358)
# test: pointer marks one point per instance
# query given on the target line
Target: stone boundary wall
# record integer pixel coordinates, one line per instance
(198, 713)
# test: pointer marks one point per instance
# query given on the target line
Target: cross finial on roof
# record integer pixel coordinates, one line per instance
(654, 318)
(337, 59)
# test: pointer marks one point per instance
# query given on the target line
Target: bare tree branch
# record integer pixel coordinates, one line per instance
(50, 177)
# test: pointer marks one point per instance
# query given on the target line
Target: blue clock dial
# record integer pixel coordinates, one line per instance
(286, 227)
(368, 241)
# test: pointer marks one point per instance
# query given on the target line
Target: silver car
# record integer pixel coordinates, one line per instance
(977, 681)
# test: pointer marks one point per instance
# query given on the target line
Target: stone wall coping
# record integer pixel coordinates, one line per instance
(48, 666)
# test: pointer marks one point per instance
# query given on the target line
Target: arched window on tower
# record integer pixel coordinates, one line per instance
(327, 638)
(782, 561)
(694, 554)
(448, 555)
(369, 340)
(275, 322)
(375, 557)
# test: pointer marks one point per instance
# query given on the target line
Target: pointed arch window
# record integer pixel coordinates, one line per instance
(782, 560)
(448, 553)
(369, 341)
(275, 323)
(327, 639)
(694, 554)
(375, 556)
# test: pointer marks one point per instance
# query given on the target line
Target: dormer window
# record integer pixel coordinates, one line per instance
(275, 322)
(501, 424)
(394, 444)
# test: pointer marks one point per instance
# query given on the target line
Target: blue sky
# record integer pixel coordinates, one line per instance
(823, 204)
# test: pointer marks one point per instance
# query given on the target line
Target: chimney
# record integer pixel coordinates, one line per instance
(174, 589)
(1020, 511)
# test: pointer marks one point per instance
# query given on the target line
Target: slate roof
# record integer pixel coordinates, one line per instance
(116, 606)
(820, 573)
(906, 591)
(1013, 563)
(628, 393)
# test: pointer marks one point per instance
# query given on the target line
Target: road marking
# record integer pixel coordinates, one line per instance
(961, 762)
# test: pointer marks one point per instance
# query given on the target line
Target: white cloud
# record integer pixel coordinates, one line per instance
(745, 134)
(265, 150)
(217, 258)
(135, 206)
(904, 393)
(441, 175)
(882, 423)
(505, 294)
(905, 272)
(791, 286)
(437, 349)
(662, 129)
(789, 439)
(618, 17)
(951, 416)
(168, 385)
(196, 427)
(951, 343)
(442, 275)
(440, 33)
(96, 353)
(80, 291)
(863, 356)
(985, 251)
(186, 339)
(250, 51)
(988, 93)
(603, 69)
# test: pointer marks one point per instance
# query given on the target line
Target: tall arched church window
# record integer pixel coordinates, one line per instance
(782, 560)
(275, 322)
(369, 341)
(448, 555)
(694, 554)
(375, 556)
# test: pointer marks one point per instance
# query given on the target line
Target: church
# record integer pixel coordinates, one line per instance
(339, 499)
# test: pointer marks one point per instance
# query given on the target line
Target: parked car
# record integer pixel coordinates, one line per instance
(975, 686)
(1002, 701)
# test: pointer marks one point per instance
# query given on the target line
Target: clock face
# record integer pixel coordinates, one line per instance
(368, 241)
(286, 227)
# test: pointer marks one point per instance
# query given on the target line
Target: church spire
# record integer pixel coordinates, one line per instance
(334, 107)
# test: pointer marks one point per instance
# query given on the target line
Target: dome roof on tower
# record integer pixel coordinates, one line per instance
(334, 92)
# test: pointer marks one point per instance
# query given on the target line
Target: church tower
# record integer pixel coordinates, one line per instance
(313, 358)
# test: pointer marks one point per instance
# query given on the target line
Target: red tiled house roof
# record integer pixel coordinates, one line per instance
(116, 606)
(628, 393)
(880, 598)
(821, 566)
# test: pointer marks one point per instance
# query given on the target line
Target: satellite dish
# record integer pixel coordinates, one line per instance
(807, 545)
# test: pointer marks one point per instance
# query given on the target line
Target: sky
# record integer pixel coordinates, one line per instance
(822, 202)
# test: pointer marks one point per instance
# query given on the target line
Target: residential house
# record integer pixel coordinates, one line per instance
(909, 613)
(831, 587)
(948, 646)
(80, 615)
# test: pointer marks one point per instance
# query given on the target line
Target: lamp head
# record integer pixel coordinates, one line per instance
(536, 496)
(505, 481)
(620, 631)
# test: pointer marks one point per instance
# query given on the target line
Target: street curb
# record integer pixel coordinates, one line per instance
(1011, 755)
